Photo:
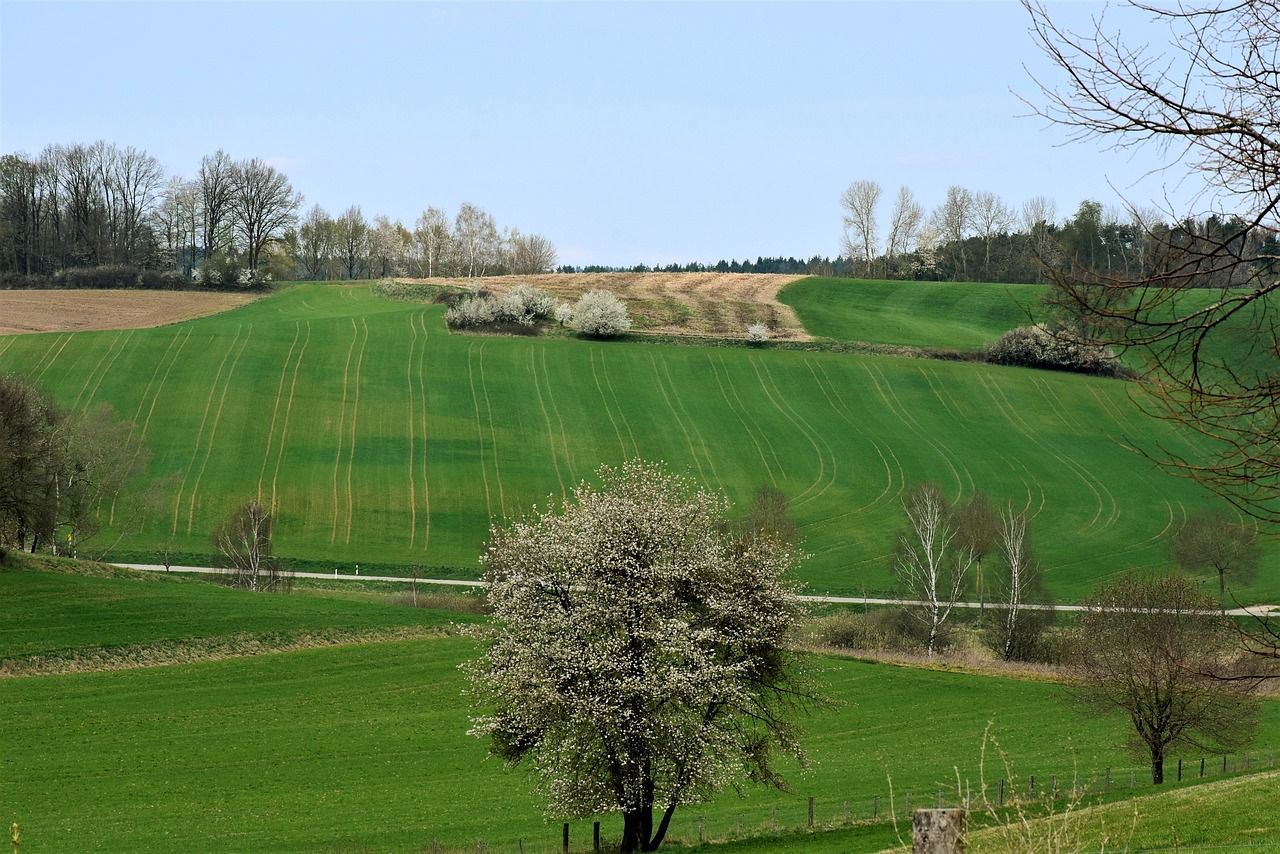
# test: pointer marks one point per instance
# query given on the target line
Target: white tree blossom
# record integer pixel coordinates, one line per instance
(601, 314)
(637, 657)
(757, 333)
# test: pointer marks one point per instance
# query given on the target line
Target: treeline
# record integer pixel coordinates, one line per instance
(84, 215)
(978, 236)
(815, 266)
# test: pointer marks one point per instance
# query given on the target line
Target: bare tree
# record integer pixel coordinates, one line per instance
(316, 243)
(931, 564)
(991, 217)
(476, 237)
(904, 225)
(953, 221)
(216, 187)
(388, 246)
(1209, 97)
(94, 464)
(859, 202)
(352, 232)
(245, 540)
(263, 204)
(1019, 627)
(528, 254)
(1147, 649)
(431, 239)
(1212, 541)
(978, 531)
(1038, 213)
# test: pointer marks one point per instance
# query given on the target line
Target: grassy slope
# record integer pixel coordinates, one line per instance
(962, 315)
(383, 438)
(47, 613)
(364, 747)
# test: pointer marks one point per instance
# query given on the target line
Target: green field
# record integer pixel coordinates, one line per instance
(382, 438)
(959, 315)
(364, 747)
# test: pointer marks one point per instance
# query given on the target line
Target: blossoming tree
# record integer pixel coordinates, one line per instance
(637, 653)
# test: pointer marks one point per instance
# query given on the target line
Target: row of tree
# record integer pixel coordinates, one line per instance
(976, 235)
(818, 265)
(234, 221)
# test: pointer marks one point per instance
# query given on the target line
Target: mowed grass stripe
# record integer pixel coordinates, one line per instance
(426, 432)
(213, 432)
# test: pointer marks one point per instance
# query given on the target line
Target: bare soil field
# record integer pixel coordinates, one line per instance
(722, 305)
(77, 311)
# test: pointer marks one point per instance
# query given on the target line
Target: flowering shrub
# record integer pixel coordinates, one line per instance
(601, 314)
(757, 333)
(523, 305)
(472, 312)
(1039, 346)
(564, 313)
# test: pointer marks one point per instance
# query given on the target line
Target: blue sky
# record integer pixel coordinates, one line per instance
(624, 132)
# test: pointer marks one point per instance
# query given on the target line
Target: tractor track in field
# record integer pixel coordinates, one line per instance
(288, 413)
(555, 408)
(213, 432)
(124, 345)
(426, 432)
(842, 411)
(275, 406)
(952, 459)
(896, 408)
(493, 436)
(736, 414)
(475, 403)
(608, 380)
(114, 348)
(688, 438)
(355, 416)
(342, 424)
(604, 401)
(546, 417)
(66, 339)
(818, 439)
(208, 404)
(413, 414)
(751, 419)
(693, 422)
(808, 493)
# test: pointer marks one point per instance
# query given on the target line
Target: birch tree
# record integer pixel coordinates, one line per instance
(931, 564)
(953, 220)
(431, 241)
(476, 237)
(637, 658)
(244, 539)
(1017, 586)
(904, 224)
(991, 217)
(860, 237)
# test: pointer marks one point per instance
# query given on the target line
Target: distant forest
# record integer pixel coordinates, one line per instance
(101, 215)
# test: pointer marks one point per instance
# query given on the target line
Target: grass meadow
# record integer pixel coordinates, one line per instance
(381, 438)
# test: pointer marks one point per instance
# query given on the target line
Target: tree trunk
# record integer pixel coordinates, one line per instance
(1157, 765)
(637, 827)
(1222, 590)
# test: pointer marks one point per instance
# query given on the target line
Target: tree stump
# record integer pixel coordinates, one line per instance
(938, 832)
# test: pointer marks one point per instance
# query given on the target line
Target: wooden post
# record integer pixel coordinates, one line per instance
(1054, 790)
(702, 830)
(1001, 802)
(595, 837)
(810, 811)
(1031, 786)
(1201, 766)
(1179, 770)
(1224, 763)
(566, 838)
(938, 832)
(875, 807)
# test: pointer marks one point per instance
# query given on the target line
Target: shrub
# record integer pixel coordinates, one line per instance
(1039, 346)
(884, 630)
(757, 333)
(601, 314)
(524, 305)
(471, 313)
(564, 313)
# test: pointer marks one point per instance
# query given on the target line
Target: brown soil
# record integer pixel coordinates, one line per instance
(716, 304)
(76, 311)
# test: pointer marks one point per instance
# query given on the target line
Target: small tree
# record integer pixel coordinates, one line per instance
(1016, 628)
(768, 516)
(1147, 647)
(978, 531)
(931, 564)
(245, 540)
(601, 314)
(638, 653)
(1212, 541)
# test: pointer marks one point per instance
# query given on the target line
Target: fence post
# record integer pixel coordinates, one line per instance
(810, 811)
(1201, 766)
(1224, 763)
(1001, 802)
(1054, 791)
(938, 832)
(702, 830)
(595, 837)
(1179, 770)
(566, 838)
(1031, 787)
(1133, 778)
(875, 807)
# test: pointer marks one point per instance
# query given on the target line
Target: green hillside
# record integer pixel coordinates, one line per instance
(960, 315)
(382, 438)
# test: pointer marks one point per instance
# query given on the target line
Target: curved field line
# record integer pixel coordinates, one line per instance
(1064, 415)
(952, 459)
(146, 425)
(838, 407)
(822, 464)
(275, 407)
(426, 436)
(895, 408)
(746, 410)
(693, 422)
(47, 365)
(355, 415)
(693, 454)
(493, 435)
(750, 433)
(124, 345)
(6, 344)
(146, 390)
(413, 412)
(604, 367)
(342, 426)
(604, 401)
(555, 407)
(546, 417)
(195, 452)
(288, 412)
(475, 403)
(812, 435)
(897, 463)
(1007, 410)
(75, 404)
(213, 431)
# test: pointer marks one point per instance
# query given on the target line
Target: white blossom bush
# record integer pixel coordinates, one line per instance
(524, 305)
(601, 314)
(1038, 346)
(637, 655)
(564, 313)
(471, 312)
(757, 333)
